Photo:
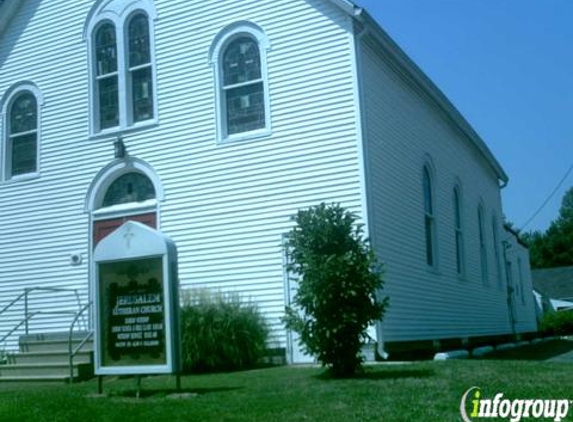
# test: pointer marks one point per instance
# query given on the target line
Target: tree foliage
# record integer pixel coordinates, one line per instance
(554, 248)
(338, 285)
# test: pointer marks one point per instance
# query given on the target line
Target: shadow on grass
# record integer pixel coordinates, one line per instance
(379, 374)
(537, 352)
(162, 393)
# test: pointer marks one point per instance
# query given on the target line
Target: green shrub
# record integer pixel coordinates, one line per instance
(221, 333)
(558, 323)
(338, 286)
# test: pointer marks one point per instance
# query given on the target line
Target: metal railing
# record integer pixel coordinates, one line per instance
(74, 352)
(28, 316)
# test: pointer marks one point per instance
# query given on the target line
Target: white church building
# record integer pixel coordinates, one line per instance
(214, 122)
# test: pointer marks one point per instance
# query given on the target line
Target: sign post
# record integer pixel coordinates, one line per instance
(136, 303)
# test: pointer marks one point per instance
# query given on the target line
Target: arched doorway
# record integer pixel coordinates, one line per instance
(125, 190)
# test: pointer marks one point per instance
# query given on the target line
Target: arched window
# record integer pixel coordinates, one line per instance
(429, 218)
(482, 245)
(140, 69)
(238, 56)
(243, 88)
(496, 250)
(123, 70)
(107, 76)
(22, 135)
(521, 286)
(458, 233)
(129, 188)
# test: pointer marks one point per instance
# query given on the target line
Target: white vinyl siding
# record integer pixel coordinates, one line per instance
(402, 128)
(226, 205)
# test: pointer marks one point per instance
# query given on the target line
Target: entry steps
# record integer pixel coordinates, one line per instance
(45, 357)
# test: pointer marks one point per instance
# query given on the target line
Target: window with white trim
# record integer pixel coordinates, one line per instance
(496, 250)
(482, 245)
(429, 218)
(127, 188)
(238, 56)
(459, 233)
(107, 77)
(140, 69)
(243, 88)
(21, 143)
(521, 292)
(123, 92)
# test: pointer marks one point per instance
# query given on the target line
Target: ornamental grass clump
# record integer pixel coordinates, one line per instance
(339, 286)
(221, 333)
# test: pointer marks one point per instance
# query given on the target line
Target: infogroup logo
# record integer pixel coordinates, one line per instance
(474, 407)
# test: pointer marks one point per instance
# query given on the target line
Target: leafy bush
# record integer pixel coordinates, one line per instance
(338, 284)
(221, 333)
(558, 323)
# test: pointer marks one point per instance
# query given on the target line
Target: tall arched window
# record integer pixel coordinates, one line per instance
(496, 250)
(123, 74)
(107, 76)
(521, 285)
(243, 87)
(482, 244)
(22, 135)
(458, 233)
(429, 218)
(140, 69)
(238, 56)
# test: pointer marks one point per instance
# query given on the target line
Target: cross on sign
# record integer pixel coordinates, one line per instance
(128, 236)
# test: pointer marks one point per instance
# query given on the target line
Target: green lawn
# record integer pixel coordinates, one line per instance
(427, 391)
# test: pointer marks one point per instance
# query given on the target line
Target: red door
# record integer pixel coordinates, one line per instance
(104, 227)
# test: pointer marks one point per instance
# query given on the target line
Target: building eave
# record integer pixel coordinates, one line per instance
(417, 76)
(7, 10)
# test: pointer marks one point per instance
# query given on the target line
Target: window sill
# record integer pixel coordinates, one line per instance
(119, 130)
(246, 136)
(21, 178)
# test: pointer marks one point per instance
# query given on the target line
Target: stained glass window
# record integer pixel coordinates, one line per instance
(243, 86)
(107, 76)
(128, 188)
(459, 234)
(482, 245)
(429, 219)
(140, 73)
(23, 135)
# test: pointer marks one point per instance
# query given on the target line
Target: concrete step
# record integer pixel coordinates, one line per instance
(59, 378)
(44, 371)
(62, 335)
(38, 346)
(48, 358)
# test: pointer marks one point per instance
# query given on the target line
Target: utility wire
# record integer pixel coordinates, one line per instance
(536, 213)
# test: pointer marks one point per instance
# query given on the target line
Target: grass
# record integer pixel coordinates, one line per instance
(426, 391)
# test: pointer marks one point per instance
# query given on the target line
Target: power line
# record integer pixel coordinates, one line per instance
(536, 213)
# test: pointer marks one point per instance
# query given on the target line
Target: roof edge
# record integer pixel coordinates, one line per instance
(7, 10)
(429, 87)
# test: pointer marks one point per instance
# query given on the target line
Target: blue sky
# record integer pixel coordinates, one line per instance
(507, 65)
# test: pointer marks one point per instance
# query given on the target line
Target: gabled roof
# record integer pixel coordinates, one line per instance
(555, 283)
(408, 67)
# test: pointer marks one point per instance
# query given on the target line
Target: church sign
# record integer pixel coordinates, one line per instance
(136, 312)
